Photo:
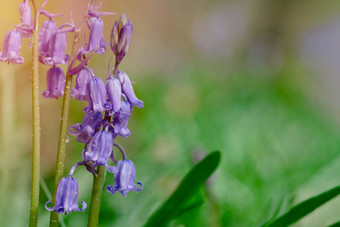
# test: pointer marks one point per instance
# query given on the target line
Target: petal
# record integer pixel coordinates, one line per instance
(111, 189)
(48, 208)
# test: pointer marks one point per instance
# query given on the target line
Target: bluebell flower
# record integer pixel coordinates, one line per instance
(47, 31)
(114, 92)
(26, 18)
(11, 48)
(66, 198)
(90, 125)
(55, 81)
(124, 176)
(96, 95)
(56, 50)
(99, 149)
(128, 91)
(83, 77)
(121, 119)
(96, 39)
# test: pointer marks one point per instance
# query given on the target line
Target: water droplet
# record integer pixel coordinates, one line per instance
(67, 138)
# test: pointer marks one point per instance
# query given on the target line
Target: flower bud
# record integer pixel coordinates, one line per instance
(114, 38)
(124, 41)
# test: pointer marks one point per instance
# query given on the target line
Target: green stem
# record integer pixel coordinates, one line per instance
(35, 125)
(97, 189)
(59, 171)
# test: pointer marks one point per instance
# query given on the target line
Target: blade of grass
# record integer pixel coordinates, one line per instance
(187, 188)
(304, 208)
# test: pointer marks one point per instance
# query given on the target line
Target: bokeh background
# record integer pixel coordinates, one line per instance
(256, 79)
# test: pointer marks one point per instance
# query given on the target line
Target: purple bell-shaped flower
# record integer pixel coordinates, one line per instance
(89, 126)
(100, 148)
(114, 92)
(96, 95)
(26, 18)
(11, 48)
(56, 50)
(96, 39)
(55, 81)
(83, 77)
(47, 31)
(26, 13)
(121, 119)
(66, 199)
(128, 90)
(124, 177)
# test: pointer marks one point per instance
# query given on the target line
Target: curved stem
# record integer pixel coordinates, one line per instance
(97, 189)
(35, 124)
(121, 149)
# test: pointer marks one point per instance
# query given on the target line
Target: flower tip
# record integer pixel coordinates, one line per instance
(48, 208)
(111, 189)
(140, 188)
(83, 206)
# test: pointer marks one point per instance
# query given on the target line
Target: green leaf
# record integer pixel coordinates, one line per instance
(187, 188)
(304, 208)
(189, 208)
(336, 224)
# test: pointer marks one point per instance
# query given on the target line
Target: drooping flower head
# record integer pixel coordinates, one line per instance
(26, 13)
(26, 18)
(48, 29)
(96, 39)
(53, 41)
(11, 48)
(100, 148)
(96, 95)
(89, 126)
(121, 119)
(128, 90)
(114, 92)
(83, 77)
(55, 81)
(124, 177)
(96, 25)
(66, 199)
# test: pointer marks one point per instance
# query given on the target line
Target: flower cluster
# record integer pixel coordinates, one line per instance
(110, 103)
(109, 107)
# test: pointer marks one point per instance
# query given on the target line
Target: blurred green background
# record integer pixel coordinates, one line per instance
(256, 79)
